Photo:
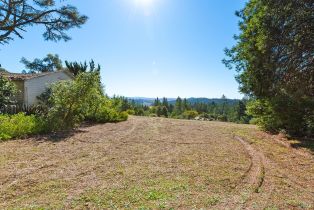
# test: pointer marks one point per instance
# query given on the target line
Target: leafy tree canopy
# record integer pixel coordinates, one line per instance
(275, 49)
(274, 56)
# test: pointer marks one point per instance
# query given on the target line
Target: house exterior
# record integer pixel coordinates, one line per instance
(32, 85)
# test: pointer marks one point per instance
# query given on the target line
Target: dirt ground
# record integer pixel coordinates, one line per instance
(158, 163)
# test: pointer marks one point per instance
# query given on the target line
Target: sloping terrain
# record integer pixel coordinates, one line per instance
(156, 163)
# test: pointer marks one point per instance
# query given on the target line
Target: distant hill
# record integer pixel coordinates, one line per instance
(150, 101)
(142, 100)
(211, 100)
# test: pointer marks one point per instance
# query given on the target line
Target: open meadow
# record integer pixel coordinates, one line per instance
(157, 163)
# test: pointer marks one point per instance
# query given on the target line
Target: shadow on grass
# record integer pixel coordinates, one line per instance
(63, 135)
(303, 143)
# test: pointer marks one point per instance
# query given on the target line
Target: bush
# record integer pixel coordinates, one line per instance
(122, 116)
(107, 114)
(283, 113)
(222, 118)
(190, 114)
(140, 112)
(18, 126)
(7, 91)
(130, 112)
(263, 115)
(73, 101)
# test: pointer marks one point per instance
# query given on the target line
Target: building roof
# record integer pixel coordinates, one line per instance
(22, 77)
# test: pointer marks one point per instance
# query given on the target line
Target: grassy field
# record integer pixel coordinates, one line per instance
(156, 163)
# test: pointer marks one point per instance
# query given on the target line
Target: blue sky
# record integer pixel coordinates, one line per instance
(146, 48)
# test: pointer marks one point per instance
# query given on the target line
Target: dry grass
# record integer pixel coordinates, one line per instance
(154, 163)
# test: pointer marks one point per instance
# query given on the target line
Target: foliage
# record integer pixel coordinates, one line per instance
(222, 117)
(182, 109)
(77, 68)
(71, 102)
(103, 111)
(190, 114)
(108, 114)
(7, 91)
(161, 111)
(263, 114)
(268, 116)
(274, 58)
(19, 125)
(130, 112)
(48, 64)
(56, 18)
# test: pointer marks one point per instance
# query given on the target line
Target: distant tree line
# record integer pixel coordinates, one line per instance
(181, 108)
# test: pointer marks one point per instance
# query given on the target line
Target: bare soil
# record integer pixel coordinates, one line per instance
(158, 163)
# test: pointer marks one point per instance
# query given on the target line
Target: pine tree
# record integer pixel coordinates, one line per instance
(178, 108)
(157, 102)
(165, 102)
(48, 64)
(56, 18)
(164, 111)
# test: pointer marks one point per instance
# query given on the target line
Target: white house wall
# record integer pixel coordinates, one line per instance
(36, 86)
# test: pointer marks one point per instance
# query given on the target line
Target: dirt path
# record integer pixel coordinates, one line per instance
(156, 163)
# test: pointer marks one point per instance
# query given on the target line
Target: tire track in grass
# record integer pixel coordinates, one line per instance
(256, 174)
(252, 179)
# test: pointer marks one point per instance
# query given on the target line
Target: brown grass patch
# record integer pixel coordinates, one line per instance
(152, 163)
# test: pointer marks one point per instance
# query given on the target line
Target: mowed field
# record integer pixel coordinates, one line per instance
(157, 163)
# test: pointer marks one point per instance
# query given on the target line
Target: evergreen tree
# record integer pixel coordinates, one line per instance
(78, 67)
(164, 111)
(224, 105)
(185, 105)
(56, 18)
(165, 102)
(159, 111)
(48, 64)
(240, 110)
(157, 102)
(171, 108)
(178, 108)
(274, 58)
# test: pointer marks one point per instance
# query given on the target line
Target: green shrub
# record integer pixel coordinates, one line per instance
(222, 118)
(130, 112)
(72, 100)
(18, 126)
(140, 112)
(107, 114)
(191, 114)
(122, 116)
(7, 91)
(78, 100)
(263, 115)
